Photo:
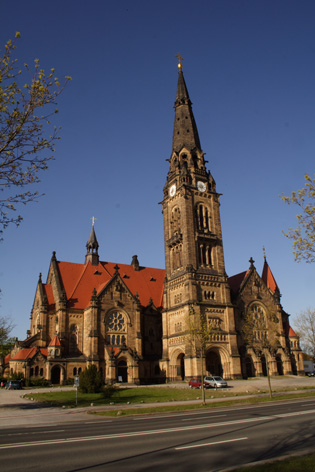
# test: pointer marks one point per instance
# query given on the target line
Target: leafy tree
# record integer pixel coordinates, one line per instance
(305, 326)
(198, 337)
(6, 343)
(91, 380)
(27, 137)
(261, 335)
(303, 236)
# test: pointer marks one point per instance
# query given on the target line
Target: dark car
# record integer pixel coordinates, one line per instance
(196, 383)
(14, 385)
(310, 374)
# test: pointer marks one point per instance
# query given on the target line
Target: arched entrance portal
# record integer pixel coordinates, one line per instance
(213, 363)
(55, 374)
(122, 371)
(250, 369)
(279, 365)
(180, 366)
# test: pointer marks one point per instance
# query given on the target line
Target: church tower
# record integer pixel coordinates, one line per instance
(196, 282)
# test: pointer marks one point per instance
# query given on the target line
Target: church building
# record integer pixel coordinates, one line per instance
(131, 320)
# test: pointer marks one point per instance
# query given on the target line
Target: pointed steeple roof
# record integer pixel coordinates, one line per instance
(268, 278)
(92, 247)
(92, 241)
(185, 130)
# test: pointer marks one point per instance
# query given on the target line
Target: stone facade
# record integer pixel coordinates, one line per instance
(131, 321)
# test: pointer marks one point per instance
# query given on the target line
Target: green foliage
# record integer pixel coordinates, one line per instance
(109, 390)
(304, 236)
(37, 383)
(292, 464)
(28, 98)
(17, 376)
(91, 380)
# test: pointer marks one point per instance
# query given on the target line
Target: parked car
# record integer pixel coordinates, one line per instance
(215, 381)
(14, 385)
(310, 374)
(196, 383)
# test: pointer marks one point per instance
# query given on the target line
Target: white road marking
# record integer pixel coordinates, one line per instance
(210, 444)
(174, 416)
(157, 431)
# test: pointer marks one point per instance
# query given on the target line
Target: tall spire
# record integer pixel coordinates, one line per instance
(92, 247)
(185, 130)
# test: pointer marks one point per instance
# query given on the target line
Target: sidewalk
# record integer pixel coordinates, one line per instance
(16, 410)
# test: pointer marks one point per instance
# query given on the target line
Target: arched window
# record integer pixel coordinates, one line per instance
(74, 371)
(203, 217)
(41, 372)
(36, 371)
(205, 256)
(73, 340)
(116, 329)
(258, 315)
(177, 257)
(175, 221)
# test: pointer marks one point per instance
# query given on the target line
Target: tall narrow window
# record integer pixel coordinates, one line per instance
(175, 221)
(204, 251)
(203, 217)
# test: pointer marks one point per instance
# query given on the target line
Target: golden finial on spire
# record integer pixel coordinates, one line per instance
(180, 59)
(264, 251)
(93, 220)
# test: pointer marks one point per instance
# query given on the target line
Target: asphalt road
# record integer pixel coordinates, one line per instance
(199, 441)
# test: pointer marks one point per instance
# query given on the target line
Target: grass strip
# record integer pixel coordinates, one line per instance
(175, 408)
(144, 395)
(304, 463)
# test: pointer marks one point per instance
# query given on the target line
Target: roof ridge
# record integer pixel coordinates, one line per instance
(79, 280)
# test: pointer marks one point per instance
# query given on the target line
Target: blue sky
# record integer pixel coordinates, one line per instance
(249, 68)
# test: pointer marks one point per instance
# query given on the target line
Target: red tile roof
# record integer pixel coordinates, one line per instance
(55, 342)
(236, 280)
(50, 296)
(79, 281)
(7, 359)
(268, 278)
(28, 353)
(291, 333)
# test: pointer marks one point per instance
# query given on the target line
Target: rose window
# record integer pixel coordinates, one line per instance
(116, 322)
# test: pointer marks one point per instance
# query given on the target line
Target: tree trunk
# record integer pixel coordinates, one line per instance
(268, 377)
(202, 382)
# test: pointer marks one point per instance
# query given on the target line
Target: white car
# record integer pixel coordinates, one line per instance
(215, 381)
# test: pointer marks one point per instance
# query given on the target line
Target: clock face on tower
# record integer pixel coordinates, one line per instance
(201, 186)
(172, 190)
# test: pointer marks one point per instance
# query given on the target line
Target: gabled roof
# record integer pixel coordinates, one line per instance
(236, 281)
(7, 359)
(292, 333)
(268, 278)
(29, 353)
(50, 296)
(79, 281)
(55, 342)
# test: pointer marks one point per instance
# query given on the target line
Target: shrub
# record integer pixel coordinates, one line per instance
(109, 390)
(37, 383)
(17, 376)
(91, 380)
